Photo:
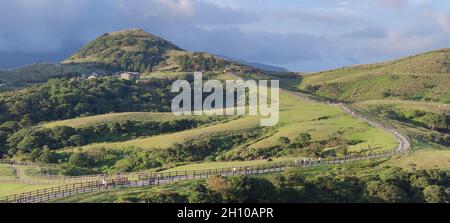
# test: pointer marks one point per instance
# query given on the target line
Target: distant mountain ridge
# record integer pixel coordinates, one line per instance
(261, 66)
(32, 74)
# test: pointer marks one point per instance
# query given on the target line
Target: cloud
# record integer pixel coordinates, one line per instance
(49, 25)
(443, 20)
(301, 35)
(367, 32)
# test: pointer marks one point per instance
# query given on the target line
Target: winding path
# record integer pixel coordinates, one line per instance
(403, 146)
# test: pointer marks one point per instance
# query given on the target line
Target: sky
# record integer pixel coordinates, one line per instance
(300, 35)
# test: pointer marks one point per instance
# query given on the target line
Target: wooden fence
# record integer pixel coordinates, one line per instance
(47, 179)
(152, 178)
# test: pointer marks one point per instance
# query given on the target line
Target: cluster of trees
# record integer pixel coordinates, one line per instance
(284, 147)
(439, 123)
(64, 99)
(60, 99)
(29, 139)
(391, 185)
(433, 121)
(137, 61)
(200, 62)
(301, 145)
(134, 159)
(132, 51)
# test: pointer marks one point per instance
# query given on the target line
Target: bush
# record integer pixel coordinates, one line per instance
(377, 191)
(80, 160)
(163, 197)
(435, 194)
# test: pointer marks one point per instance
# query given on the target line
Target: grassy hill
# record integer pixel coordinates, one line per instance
(118, 117)
(296, 116)
(406, 106)
(129, 50)
(422, 77)
(137, 50)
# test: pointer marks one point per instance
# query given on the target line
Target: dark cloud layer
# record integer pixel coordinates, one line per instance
(320, 36)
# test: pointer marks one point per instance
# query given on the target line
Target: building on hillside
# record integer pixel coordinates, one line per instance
(131, 76)
(93, 76)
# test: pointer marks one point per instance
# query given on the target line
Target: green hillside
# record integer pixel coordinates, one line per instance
(137, 50)
(118, 117)
(426, 123)
(323, 122)
(128, 50)
(422, 77)
(32, 74)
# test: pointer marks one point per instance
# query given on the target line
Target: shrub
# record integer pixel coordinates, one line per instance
(435, 194)
(377, 191)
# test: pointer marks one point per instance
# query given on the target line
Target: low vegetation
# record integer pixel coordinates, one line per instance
(358, 182)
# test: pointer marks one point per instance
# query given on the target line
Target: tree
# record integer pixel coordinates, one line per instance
(217, 184)
(201, 194)
(80, 160)
(163, 197)
(284, 141)
(247, 189)
(302, 140)
(435, 194)
(377, 191)
(47, 157)
(3, 138)
(395, 176)
(75, 140)
(436, 121)
(28, 143)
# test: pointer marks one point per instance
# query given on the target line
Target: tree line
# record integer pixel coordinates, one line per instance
(38, 138)
(391, 185)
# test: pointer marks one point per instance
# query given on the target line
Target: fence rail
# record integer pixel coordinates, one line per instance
(160, 178)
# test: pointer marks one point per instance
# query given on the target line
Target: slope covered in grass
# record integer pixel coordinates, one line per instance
(137, 50)
(296, 116)
(166, 140)
(401, 105)
(6, 171)
(117, 117)
(423, 159)
(9, 189)
(421, 77)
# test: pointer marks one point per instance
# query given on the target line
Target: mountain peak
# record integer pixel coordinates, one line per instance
(130, 49)
(133, 32)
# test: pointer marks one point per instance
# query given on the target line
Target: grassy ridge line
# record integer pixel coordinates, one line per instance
(405, 105)
(421, 77)
(116, 117)
(166, 140)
